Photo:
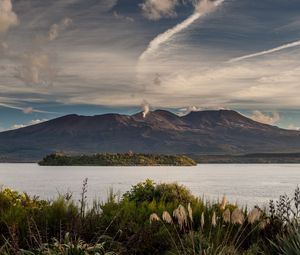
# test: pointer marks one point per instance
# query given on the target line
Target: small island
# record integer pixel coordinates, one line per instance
(118, 159)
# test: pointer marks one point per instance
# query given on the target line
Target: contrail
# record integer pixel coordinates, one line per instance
(164, 37)
(283, 47)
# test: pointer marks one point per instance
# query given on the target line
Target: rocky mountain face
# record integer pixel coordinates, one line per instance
(204, 132)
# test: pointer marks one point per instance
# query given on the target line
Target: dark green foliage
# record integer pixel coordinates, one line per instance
(288, 243)
(148, 191)
(122, 226)
(126, 159)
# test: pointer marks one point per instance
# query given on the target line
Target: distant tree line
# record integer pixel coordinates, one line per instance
(118, 159)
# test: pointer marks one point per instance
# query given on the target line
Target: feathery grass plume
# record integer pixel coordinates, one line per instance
(154, 217)
(237, 217)
(202, 220)
(167, 217)
(190, 211)
(224, 203)
(254, 215)
(226, 216)
(263, 224)
(181, 216)
(214, 220)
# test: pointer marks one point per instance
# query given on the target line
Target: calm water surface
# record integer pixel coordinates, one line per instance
(245, 184)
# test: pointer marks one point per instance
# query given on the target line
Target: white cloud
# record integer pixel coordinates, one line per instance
(97, 63)
(32, 122)
(269, 119)
(186, 110)
(266, 52)
(36, 69)
(56, 29)
(293, 127)
(7, 17)
(28, 110)
(157, 9)
(201, 9)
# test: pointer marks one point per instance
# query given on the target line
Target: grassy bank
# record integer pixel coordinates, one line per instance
(149, 219)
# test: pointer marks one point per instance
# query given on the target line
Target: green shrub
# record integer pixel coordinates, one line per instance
(149, 219)
(148, 191)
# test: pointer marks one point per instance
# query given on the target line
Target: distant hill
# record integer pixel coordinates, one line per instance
(204, 132)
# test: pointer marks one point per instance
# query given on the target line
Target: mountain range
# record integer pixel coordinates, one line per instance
(204, 132)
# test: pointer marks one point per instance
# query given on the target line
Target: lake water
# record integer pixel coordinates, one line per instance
(244, 184)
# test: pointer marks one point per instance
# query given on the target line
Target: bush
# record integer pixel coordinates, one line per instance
(149, 219)
(148, 191)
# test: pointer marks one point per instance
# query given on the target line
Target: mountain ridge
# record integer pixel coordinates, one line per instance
(203, 132)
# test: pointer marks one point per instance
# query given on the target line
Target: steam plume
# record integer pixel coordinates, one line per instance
(201, 9)
(283, 47)
(146, 108)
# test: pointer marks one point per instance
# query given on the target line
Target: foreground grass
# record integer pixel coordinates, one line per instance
(148, 219)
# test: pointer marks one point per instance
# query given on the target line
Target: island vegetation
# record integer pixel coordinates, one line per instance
(149, 219)
(118, 159)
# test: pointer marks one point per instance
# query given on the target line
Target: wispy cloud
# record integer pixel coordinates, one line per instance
(122, 17)
(293, 127)
(56, 29)
(270, 119)
(32, 122)
(201, 8)
(8, 18)
(96, 60)
(157, 9)
(186, 110)
(36, 69)
(26, 110)
(266, 52)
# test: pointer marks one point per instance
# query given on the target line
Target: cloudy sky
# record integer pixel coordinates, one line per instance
(95, 56)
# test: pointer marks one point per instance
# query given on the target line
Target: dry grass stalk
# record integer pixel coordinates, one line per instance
(202, 220)
(227, 216)
(167, 217)
(224, 203)
(181, 216)
(154, 217)
(214, 220)
(254, 216)
(190, 211)
(237, 217)
(264, 223)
